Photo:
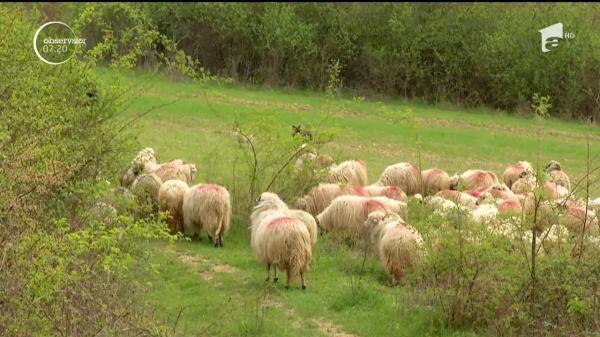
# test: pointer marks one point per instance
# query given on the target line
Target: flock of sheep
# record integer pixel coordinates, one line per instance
(346, 205)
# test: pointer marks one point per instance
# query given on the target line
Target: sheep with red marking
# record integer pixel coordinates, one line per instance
(322, 195)
(435, 180)
(347, 214)
(557, 175)
(577, 218)
(392, 192)
(177, 170)
(280, 238)
(516, 171)
(459, 198)
(350, 172)
(404, 175)
(473, 179)
(170, 199)
(398, 243)
(207, 207)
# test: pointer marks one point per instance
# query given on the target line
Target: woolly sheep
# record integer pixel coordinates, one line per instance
(473, 179)
(145, 189)
(460, 198)
(514, 172)
(310, 223)
(575, 219)
(435, 180)
(177, 170)
(392, 192)
(321, 196)
(170, 198)
(484, 213)
(145, 160)
(509, 205)
(350, 172)
(280, 239)
(404, 175)
(557, 175)
(399, 247)
(207, 206)
(347, 214)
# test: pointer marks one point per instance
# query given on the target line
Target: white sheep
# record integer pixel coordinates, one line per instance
(515, 171)
(460, 198)
(321, 196)
(404, 175)
(350, 172)
(392, 192)
(177, 170)
(484, 213)
(145, 188)
(557, 175)
(280, 239)
(435, 180)
(398, 243)
(348, 213)
(207, 206)
(170, 199)
(473, 179)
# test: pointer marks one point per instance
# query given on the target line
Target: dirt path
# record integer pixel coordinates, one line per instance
(269, 301)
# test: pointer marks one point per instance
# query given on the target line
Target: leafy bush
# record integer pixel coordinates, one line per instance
(467, 54)
(67, 237)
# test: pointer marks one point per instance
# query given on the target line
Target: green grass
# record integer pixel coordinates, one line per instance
(233, 299)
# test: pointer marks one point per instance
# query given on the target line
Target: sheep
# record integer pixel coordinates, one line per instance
(544, 217)
(526, 185)
(207, 206)
(177, 170)
(513, 172)
(280, 238)
(145, 189)
(392, 192)
(128, 177)
(523, 185)
(484, 213)
(347, 214)
(350, 172)
(557, 175)
(435, 180)
(170, 198)
(310, 223)
(399, 246)
(509, 205)
(473, 179)
(404, 175)
(460, 198)
(575, 220)
(145, 160)
(320, 197)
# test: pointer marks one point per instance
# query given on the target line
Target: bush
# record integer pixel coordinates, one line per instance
(67, 238)
(466, 54)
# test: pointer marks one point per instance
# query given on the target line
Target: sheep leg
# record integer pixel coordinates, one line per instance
(220, 240)
(287, 280)
(268, 272)
(303, 282)
(275, 279)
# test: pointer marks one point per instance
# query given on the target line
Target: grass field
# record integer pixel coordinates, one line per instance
(221, 292)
